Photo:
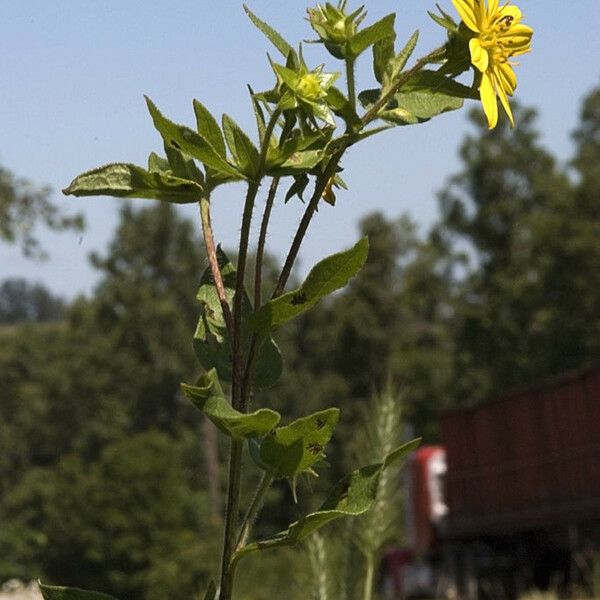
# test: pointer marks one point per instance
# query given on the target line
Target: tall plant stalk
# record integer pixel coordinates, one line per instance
(298, 121)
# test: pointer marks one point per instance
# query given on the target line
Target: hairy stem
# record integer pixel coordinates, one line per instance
(240, 392)
(231, 519)
(306, 219)
(262, 238)
(238, 395)
(211, 252)
(350, 82)
(254, 509)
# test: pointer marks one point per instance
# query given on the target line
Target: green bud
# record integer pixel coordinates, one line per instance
(335, 27)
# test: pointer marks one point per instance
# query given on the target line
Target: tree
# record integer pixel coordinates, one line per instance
(21, 301)
(127, 522)
(527, 306)
(23, 206)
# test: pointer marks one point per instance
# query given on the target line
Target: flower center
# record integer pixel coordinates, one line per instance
(490, 39)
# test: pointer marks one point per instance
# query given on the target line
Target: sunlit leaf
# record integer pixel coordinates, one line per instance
(396, 64)
(293, 449)
(123, 180)
(192, 143)
(368, 36)
(209, 129)
(383, 53)
(329, 275)
(244, 152)
(208, 397)
(211, 340)
(270, 33)
(352, 496)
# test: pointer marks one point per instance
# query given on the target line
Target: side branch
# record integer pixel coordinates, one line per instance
(306, 219)
(211, 251)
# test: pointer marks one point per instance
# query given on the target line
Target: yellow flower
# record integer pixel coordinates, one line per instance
(499, 35)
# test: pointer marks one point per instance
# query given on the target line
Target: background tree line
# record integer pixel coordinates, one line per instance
(110, 480)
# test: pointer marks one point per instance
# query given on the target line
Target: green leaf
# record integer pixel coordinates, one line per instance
(209, 129)
(395, 66)
(270, 33)
(293, 449)
(425, 96)
(208, 397)
(261, 124)
(211, 592)
(371, 35)
(183, 166)
(329, 275)
(130, 181)
(158, 164)
(352, 496)
(51, 592)
(368, 97)
(244, 152)
(383, 53)
(297, 188)
(341, 106)
(192, 143)
(211, 340)
(298, 162)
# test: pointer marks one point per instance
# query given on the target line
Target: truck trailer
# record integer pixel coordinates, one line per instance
(510, 501)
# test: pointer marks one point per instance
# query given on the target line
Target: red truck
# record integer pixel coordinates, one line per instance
(510, 501)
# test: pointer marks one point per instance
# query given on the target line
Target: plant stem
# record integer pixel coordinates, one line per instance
(231, 518)
(254, 509)
(262, 238)
(240, 391)
(306, 219)
(369, 575)
(350, 82)
(373, 112)
(211, 252)
(238, 395)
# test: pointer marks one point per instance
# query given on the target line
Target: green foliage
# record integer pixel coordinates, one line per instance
(367, 37)
(270, 33)
(192, 143)
(21, 302)
(424, 96)
(211, 339)
(128, 181)
(124, 515)
(527, 307)
(291, 450)
(352, 496)
(23, 207)
(208, 396)
(329, 275)
(244, 152)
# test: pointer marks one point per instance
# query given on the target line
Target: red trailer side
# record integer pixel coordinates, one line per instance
(525, 460)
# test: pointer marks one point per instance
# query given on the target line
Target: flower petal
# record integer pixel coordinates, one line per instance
(506, 78)
(466, 10)
(488, 100)
(505, 104)
(479, 55)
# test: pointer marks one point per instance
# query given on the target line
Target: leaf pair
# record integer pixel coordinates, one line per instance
(208, 396)
(352, 496)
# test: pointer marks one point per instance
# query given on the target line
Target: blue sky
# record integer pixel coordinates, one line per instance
(74, 72)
